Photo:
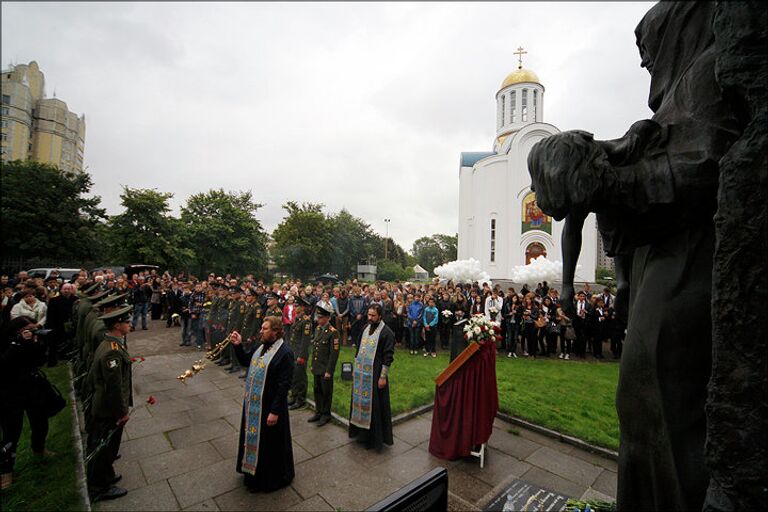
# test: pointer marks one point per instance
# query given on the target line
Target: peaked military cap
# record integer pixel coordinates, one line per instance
(118, 315)
(112, 301)
(321, 311)
(98, 296)
(301, 301)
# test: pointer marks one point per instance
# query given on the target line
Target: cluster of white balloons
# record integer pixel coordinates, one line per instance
(463, 271)
(538, 270)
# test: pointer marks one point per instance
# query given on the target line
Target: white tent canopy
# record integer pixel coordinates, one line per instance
(420, 272)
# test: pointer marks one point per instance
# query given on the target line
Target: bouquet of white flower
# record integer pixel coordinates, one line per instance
(480, 330)
(447, 313)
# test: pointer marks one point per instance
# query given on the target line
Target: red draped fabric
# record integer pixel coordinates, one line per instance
(465, 406)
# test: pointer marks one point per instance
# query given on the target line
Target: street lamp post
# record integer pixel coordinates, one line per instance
(386, 237)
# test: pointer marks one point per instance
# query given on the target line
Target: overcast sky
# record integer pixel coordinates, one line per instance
(364, 106)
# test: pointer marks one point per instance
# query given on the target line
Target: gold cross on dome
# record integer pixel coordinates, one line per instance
(520, 52)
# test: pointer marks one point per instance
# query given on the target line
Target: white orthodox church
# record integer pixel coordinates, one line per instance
(500, 224)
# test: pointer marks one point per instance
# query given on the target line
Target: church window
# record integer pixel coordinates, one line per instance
(493, 240)
(512, 105)
(525, 105)
(503, 108)
(535, 98)
(6, 99)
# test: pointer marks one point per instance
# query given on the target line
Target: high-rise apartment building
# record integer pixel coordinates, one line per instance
(35, 127)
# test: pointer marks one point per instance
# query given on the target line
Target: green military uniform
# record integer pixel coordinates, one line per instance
(219, 320)
(251, 323)
(237, 310)
(110, 379)
(274, 311)
(325, 353)
(301, 337)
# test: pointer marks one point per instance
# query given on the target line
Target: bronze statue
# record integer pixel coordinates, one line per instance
(655, 192)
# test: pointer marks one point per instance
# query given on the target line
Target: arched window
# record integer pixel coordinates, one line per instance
(503, 108)
(533, 251)
(525, 105)
(512, 106)
(493, 240)
(535, 101)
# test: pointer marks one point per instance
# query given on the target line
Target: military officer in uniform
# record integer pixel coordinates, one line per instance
(251, 324)
(273, 308)
(237, 310)
(301, 337)
(110, 378)
(325, 353)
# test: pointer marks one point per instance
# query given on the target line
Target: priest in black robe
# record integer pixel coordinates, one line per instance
(370, 415)
(265, 452)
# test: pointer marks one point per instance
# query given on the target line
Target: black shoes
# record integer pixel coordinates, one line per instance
(323, 421)
(233, 370)
(314, 418)
(296, 405)
(111, 493)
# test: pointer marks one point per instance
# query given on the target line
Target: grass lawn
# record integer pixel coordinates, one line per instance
(572, 397)
(50, 484)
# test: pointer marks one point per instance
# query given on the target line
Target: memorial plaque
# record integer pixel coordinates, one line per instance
(524, 493)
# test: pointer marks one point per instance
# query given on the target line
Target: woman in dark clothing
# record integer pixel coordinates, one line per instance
(530, 314)
(20, 356)
(156, 302)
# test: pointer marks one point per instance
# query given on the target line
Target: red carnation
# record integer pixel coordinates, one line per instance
(465, 337)
(137, 359)
(496, 328)
(499, 338)
(151, 400)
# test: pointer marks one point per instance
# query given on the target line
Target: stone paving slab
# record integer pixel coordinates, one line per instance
(314, 504)
(564, 465)
(155, 497)
(179, 461)
(207, 482)
(180, 453)
(606, 483)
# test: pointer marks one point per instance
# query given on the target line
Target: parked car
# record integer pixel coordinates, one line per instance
(65, 273)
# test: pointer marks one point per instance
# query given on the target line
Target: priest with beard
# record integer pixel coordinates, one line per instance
(265, 453)
(370, 417)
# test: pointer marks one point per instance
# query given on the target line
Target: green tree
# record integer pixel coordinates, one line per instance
(224, 233)
(45, 213)
(146, 232)
(303, 240)
(389, 270)
(433, 251)
(353, 242)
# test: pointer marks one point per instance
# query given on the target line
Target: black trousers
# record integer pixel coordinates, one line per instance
(12, 423)
(429, 343)
(100, 471)
(323, 395)
(299, 384)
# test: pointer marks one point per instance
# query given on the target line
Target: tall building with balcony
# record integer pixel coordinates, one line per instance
(37, 128)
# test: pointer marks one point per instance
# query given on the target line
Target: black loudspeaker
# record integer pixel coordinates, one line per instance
(428, 493)
(346, 371)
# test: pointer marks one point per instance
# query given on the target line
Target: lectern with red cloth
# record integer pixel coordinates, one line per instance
(466, 402)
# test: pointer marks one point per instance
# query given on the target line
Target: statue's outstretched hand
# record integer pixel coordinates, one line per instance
(566, 172)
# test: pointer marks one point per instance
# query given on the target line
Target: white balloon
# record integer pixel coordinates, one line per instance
(539, 269)
(463, 271)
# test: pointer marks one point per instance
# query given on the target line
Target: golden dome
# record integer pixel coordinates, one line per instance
(519, 76)
(501, 138)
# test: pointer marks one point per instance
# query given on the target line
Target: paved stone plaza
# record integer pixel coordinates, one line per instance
(179, 454)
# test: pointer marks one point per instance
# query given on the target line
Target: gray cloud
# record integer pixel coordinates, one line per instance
(364, 106)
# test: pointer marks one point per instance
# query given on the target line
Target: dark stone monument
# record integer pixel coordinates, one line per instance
(681, 201)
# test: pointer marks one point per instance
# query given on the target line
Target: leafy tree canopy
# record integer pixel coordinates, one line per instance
(46, 212)
(303, 241)
(433, 251)
(146, 232)
(224, 233)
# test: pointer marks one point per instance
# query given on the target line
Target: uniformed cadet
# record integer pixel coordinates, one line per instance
(86, 314)
(110, 378)
(93, 338)
(325, 353)
(301, 337)
(218, 317)
(237, 310)
(273, 307)
(251, 324)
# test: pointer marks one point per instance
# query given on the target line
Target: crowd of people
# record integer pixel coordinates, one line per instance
(46, 319)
